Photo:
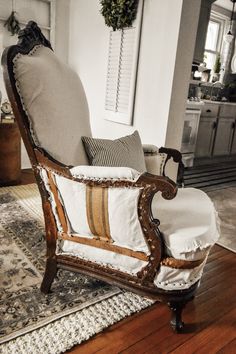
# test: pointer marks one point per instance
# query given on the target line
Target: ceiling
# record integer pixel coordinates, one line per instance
(227, 4)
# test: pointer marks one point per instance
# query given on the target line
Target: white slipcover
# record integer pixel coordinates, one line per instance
(188, 223)
(189, 231)
(124, 224)
(101, 172)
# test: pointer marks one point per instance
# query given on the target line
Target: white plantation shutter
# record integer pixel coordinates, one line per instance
(122, 71)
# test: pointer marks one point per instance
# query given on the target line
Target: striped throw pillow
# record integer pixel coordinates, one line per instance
(123, 152)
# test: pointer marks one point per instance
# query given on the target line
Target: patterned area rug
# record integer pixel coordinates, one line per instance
(78, 306)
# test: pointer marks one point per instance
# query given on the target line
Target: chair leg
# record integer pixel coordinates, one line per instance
(176, 318)
(49, 275)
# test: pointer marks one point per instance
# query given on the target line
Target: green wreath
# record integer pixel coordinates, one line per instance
(119, 14)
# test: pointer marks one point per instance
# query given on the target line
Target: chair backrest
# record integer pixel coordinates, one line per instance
(48, 98)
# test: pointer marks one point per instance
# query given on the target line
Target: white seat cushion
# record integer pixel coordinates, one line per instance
(188, 223)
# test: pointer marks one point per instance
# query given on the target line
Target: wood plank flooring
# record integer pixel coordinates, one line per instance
(210, 318)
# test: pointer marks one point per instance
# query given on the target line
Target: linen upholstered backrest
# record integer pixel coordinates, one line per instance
(54, 99)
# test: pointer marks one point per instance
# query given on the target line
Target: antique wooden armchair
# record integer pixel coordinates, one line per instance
(50, 106)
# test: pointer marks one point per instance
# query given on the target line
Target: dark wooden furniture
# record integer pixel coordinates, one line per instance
(142, 283)
(10, 154)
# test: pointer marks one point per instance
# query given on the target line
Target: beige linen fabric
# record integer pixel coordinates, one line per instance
(155, 163)
(54, 99)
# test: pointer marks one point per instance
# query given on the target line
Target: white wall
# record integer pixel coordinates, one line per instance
(184, 58)
(62, 29)
(88, 53)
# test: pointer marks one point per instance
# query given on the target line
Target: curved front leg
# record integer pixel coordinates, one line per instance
(49, 275)
(176, 315)
(51, 239)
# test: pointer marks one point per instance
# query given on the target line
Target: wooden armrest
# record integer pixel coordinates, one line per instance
(175, 154)
(151, 183)
(161, 184)
(177, 157)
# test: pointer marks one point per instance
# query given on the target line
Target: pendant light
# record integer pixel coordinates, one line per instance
(229, 36)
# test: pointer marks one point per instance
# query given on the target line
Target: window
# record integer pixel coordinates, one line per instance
(41, 11)
(122, 71)
(212, 35)
(214, 40)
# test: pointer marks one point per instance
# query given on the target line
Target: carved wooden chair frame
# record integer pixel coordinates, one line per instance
(150, 184)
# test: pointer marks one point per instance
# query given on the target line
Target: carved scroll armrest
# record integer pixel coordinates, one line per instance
(177, 157)
(162, 184)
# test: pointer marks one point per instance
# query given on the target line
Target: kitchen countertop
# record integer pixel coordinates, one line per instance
(220, 102)
(200, 104)
(195, 104)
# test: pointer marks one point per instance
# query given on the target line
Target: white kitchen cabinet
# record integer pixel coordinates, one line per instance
(224, 136)
(233, 148)
(191, 121)
(206, 136)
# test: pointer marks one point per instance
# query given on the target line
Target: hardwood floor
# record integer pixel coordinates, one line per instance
(210, 318)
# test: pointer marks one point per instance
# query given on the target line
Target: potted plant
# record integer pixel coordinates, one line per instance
(216, 69)
(119, 14)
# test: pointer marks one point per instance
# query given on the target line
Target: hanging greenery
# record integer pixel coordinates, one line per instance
(119, 14)
(12, 24)
(217, 65)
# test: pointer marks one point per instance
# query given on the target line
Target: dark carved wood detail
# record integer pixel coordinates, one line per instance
(177, 157)
(149, 184)
(175, 154)
(32, 34)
